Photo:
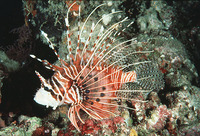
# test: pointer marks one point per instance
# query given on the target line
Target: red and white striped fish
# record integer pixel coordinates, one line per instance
(91, 79)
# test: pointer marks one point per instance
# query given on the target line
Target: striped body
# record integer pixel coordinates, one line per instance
(94, 91)
(90, 80)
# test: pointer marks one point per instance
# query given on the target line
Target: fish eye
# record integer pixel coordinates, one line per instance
(46, 88)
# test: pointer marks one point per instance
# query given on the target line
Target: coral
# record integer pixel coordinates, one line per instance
(101, 127)
(167, 28)
(22, 47)
(158, 16)
(184, 105)
(158, 118)
(6, 66)
(140, 107)
(175, 63)
(107, 126)
(116, 125)
(90, 127)
(26, 126)
(172, 60)
(165, 13)
(133, 132)
(127, 119)
(29, 9)
(41, 131)
(75, 8)
(1, 82)
(190, 130)
(24, 34)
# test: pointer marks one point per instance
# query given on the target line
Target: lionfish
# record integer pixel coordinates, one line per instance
(91, 79)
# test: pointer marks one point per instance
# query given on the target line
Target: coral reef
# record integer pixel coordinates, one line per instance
(158, 118)
(158, 26)
(26, 126)
(23, 45)
(6, 65)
